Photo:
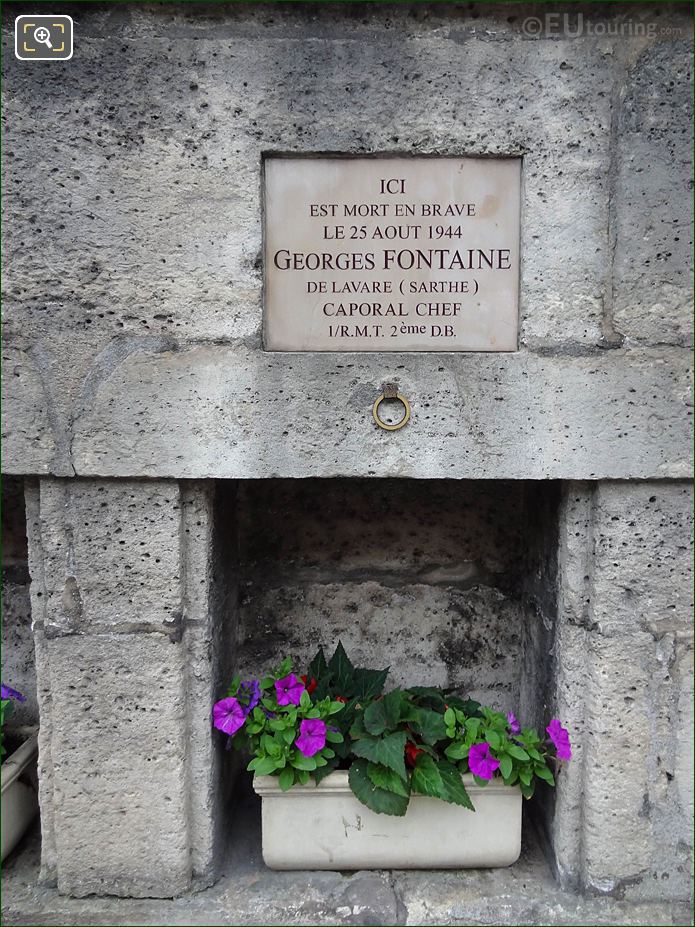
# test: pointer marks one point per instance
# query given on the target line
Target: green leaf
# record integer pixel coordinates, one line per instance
(379, 800)
(544, 773)
(527, 790)
(388, 751)
(517, 752)
(286, 778)
(341, 668)
(302, 776)
(493, 738)
(318, 666)
(481, 782)
(383, 715)
(335, 707)
(334, 737)
(506, 766)
(303, 762)
(429, 725)
(525, 775)
(263, 765)
(454, 789)
(369, 683)
(457, 751)
(426, 778)
(324, 771)
(385, 778)
(449, 717)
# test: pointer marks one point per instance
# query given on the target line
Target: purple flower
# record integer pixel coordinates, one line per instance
(228, 715)
(289, 690)
(513, 723)
(312, 736)
(481, 762)
(9, 692)
(249, 695)
(560, 736)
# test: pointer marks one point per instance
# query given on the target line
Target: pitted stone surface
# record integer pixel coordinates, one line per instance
(128, 661)
(622, 651)
(421, 577)
(111, 557)
(150, 275)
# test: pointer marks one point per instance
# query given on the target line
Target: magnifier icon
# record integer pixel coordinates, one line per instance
(43, 35)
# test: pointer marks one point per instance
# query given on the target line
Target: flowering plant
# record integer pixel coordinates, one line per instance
(8, 695)
(420, 740)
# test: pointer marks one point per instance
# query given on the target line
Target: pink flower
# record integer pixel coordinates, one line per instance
(560, 736)
(481, 762)
(289, 690)
(228, 715)
(312, 736)
(513, 723)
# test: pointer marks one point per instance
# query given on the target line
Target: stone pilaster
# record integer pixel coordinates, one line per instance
(622, 652)
(125, 587)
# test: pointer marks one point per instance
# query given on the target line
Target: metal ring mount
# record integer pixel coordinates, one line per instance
(385, 425)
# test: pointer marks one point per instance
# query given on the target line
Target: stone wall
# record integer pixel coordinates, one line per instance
(135, 388)
(420, 576)
(133, 322)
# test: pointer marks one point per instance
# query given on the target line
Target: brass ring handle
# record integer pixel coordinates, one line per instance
(383, 424)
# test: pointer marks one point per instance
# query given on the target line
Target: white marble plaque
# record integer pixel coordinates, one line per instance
(391, 254)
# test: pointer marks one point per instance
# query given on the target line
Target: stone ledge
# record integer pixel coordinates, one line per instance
(217, 411)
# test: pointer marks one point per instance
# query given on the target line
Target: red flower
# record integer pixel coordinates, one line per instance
(411, 753)
(311, 685)
(340, 698)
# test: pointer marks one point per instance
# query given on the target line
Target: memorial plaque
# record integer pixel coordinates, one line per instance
(391, 254)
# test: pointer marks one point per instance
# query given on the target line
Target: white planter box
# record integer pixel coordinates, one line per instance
(326, 827)
(20, 801)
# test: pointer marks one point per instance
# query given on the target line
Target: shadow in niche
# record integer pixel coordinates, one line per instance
(448, 582)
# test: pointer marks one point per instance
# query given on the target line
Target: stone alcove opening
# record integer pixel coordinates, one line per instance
(448, 582)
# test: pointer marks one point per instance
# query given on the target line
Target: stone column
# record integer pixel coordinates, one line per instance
(622, 680)
(129, 589)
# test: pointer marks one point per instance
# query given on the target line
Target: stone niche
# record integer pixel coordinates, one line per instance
(425, 576)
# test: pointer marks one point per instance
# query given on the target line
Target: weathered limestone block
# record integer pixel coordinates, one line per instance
(652, 272)
(123, 600)
(622, 648)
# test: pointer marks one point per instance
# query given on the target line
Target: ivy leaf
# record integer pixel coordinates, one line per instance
(426, 778)
(389, 751)
(379, 800)
(385, 778)
(454, 789)
(286, 778)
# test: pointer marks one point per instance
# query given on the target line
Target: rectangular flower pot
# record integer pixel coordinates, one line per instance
(325, 827)
(20, 801)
